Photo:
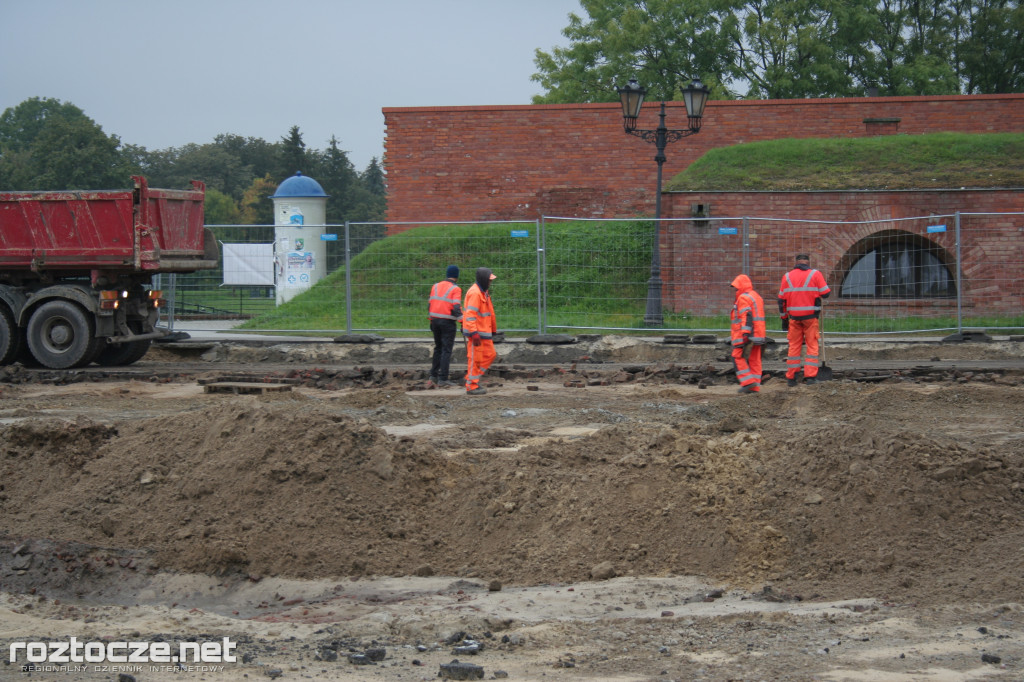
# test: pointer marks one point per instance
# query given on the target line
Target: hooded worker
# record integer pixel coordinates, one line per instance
(747, 333)
(479, 327)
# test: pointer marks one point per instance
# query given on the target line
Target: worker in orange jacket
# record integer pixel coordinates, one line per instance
(479, 326)
(748, 334)
(800, 295)
(444, 309)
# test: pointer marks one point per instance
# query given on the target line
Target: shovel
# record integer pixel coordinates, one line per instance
(824, 371)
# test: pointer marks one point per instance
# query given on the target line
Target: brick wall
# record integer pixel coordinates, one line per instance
(574, 160)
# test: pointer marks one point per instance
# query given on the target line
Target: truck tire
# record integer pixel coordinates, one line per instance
(10, 338)
(121, 354)
(61, 335)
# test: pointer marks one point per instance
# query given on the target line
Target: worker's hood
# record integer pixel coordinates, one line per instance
(742, 284)
(483, 278)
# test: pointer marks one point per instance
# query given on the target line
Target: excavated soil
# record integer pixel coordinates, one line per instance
(899, 501)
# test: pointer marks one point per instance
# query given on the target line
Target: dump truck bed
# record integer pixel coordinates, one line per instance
(134, 230)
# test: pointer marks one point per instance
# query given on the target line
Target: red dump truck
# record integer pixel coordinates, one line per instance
(76, 270)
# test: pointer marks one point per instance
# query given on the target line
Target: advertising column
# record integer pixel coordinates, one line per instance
(300, 214)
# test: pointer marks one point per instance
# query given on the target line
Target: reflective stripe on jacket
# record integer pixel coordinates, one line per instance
(747, 315)
(478, 314)
(445, 301)
(800, 293)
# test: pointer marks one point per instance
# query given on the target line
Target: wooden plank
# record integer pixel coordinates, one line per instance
(244, 387)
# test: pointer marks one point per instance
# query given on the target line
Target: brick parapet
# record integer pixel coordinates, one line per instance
(514, 162)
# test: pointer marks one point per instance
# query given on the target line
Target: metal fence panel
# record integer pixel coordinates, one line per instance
(595, 273)
(390, 281)
(891, 275)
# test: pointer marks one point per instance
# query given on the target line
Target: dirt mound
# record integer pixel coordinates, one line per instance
(838, 492)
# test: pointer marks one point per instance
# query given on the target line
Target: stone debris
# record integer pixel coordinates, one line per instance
(460, 671)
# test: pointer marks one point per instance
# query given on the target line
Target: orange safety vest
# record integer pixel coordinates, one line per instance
(800, 294)
(478, 316)
(444, 301)
(747, 315)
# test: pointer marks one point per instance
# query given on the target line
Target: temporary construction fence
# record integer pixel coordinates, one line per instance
(934, 273)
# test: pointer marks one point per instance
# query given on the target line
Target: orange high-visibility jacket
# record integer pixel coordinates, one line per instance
(478, 314)
(747, 314)
(445, 301)
(800, 294)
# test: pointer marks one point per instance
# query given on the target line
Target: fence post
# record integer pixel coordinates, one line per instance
(746, 245)
(540, 299)
(542, 280)
(959, 278)
(172, 300)
(348, 282)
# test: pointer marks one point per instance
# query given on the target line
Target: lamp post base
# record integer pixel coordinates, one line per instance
(653, 316)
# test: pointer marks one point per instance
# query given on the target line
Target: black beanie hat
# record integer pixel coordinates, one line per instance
(452, 272)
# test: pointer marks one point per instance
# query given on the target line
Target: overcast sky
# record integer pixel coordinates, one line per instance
(164, 73)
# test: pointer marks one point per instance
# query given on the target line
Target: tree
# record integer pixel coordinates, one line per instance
(373, 193)
(220, 209)
(46, 144)
(373, 178)
(791, 49)
(787, 48)
(338, 178)
(292, 155)
(211, 163)
(911, 48)
(992, 56)
(254, 153)
(661, 43)
(257, 207)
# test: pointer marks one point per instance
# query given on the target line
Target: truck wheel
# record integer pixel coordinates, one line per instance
(10, 338)
(121, 354)
(60, 336)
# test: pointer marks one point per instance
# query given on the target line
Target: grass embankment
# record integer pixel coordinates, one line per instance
(935, 161)
(596, 276)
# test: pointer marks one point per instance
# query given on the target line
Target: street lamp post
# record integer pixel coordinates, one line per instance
(695, 96)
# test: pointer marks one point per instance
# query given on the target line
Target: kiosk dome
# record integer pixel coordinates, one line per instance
(299, 186)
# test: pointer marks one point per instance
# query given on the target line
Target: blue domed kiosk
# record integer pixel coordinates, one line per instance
(300, 252)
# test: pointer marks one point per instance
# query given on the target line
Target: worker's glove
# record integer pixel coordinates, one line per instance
(476, 340)
(785, 325)
(747, 346)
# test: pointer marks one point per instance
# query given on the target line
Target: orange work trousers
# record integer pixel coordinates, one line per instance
(478, 358)
(748, 370)
(802, 333)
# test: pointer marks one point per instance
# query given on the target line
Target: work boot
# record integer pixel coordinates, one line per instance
(444, 383)
(480, 390)
(791, 383)
(747, 389)
(431, 383)
(810, 381)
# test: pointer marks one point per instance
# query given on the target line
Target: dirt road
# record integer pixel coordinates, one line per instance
(614, 511)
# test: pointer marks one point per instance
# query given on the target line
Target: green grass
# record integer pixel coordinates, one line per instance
(596, 275)
(933, 161)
